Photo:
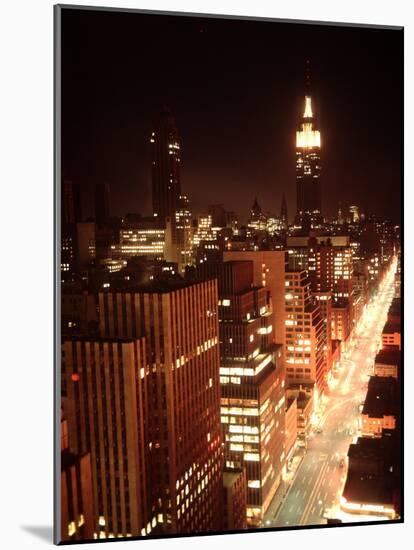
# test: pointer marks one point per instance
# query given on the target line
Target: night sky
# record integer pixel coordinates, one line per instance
(236, 90)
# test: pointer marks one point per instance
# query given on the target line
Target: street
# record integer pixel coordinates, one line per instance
(317, 486)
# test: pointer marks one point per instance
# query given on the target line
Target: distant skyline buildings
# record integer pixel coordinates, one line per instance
(165, 169)
(216, 305)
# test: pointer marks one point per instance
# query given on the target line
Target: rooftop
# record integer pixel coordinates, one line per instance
(382, 397)
(395, 307)
(366, 489)
(388, 357)
(392, 328)
(157, 286)
(378, 449)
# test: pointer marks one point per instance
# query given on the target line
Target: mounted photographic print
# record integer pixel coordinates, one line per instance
(228, 274)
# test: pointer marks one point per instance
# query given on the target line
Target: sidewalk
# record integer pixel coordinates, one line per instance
(284, 487)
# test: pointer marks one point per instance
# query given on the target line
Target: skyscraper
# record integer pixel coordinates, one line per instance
(184, 227)
(305, 333)
(105, 398)
(76, 513)
(284, 212)
(252, 383)
(166, 158)
(182, 429)
(308, 164)
(71, 203)
(102, 200)
(269, 268)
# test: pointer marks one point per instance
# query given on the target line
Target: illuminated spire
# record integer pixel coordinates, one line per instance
(308, 136)
(307, 78)
(308, 101)
(308, 107)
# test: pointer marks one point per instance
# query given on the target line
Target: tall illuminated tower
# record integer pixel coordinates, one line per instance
(308, 164)
(166, 158)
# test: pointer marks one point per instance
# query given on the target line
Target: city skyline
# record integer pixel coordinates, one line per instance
(236, 122)
(231, 355)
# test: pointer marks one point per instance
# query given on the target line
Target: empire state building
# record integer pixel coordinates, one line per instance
(308, 168)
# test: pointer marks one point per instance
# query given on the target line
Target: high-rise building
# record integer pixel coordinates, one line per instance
(308, 164)
(329, 263)
(305, 334)
(71, 203)
(207, 244)
(71, 217)
(234, 500)
(252, 383)
(184, 226)
(269, 267)
(76, 501)
(341, 324)
(144, 238)
(324, 300)
(106, 387)
(183, 432)
(284, 212)
(78, 310)
(166, 159)
(102, 202)
(78, 249)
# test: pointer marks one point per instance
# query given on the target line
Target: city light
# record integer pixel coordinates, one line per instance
(225, 365)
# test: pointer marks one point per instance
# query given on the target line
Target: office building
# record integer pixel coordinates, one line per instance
(252, 382)
(234, 500)
(102, 202)
(106, 387)
(305, 334)
(184, 226)
(284, 213)
(166, 159)
(146, 237)
(269, 267)
(76, 502)
(71, 203)
(185, 463)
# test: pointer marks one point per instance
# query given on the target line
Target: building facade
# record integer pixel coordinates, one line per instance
(166, 159)
(305, 334)
(252, 384)
(105, 387)
(185, 463)
(308, 168)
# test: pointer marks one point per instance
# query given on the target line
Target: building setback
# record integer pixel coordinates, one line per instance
(185, 457)
(269, 267)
